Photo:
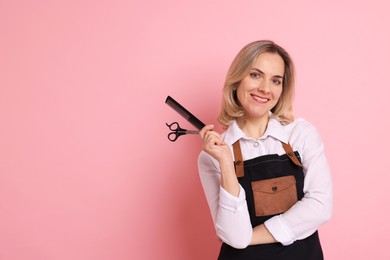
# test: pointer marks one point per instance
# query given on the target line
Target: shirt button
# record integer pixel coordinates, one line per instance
(256, 144)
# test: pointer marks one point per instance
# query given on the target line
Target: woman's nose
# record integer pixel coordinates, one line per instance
(264, 87)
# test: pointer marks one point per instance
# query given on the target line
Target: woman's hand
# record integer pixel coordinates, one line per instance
(214, 145)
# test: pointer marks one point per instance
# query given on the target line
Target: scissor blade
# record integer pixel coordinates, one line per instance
(192, 132)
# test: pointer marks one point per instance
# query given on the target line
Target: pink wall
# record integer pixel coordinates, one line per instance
(86, 171)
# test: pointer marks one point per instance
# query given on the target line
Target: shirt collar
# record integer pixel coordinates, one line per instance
(274, 129)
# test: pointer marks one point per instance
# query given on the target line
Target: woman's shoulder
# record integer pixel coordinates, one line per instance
(299, 124)
(301, 131)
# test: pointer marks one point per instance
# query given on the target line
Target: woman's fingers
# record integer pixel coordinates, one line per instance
(207, 134)
(212, 140)
(211, 135)
(205, 129)
(213, 143)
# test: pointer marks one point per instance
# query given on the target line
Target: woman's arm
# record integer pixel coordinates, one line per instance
(230, 213)
(214, 145)
(261, 235)
(224, 194)
(315, 208)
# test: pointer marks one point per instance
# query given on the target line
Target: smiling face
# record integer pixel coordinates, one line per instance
(260, 90)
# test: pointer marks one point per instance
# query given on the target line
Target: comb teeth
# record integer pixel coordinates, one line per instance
(184, 113)
(177, 107)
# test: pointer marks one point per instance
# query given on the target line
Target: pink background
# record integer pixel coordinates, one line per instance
(86, 170)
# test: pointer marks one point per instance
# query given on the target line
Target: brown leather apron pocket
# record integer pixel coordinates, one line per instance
(274, 196)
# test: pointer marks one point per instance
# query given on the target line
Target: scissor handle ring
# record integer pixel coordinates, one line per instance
(172, 128)
(176, 135)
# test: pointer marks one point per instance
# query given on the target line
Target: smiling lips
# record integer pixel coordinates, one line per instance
(260, 99)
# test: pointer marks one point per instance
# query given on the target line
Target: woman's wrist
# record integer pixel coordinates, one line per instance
(228, 177)
(226, 164)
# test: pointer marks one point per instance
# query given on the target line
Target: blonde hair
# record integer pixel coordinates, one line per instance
(240, 68)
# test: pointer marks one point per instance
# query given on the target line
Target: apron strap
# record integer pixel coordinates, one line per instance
(290, 153)
(238, 162)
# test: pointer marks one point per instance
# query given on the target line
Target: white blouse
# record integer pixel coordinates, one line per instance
(230, 213)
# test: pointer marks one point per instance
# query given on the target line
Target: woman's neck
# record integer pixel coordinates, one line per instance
(254, 128)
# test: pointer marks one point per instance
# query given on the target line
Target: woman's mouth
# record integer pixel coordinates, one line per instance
(260, 99)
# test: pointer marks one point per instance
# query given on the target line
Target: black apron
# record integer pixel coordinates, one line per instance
(264, 168)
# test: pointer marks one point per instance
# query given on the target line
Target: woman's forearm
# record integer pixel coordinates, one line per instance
(228, 178)
(261, 235)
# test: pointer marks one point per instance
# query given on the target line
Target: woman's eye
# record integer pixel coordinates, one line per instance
(277, 82)
(254, 75)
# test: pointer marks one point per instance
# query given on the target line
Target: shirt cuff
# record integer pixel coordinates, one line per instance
(231, 202)
(279, 230)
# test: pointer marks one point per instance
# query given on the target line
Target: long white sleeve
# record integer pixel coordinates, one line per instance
(229, 213)
(315, 208)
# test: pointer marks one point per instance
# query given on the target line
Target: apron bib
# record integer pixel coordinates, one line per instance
(272, 184)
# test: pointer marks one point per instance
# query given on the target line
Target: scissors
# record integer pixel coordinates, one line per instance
(178, 131)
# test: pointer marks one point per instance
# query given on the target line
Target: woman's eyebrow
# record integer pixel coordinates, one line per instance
(258, 70)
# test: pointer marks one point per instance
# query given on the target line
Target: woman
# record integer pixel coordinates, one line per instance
(266, 179)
